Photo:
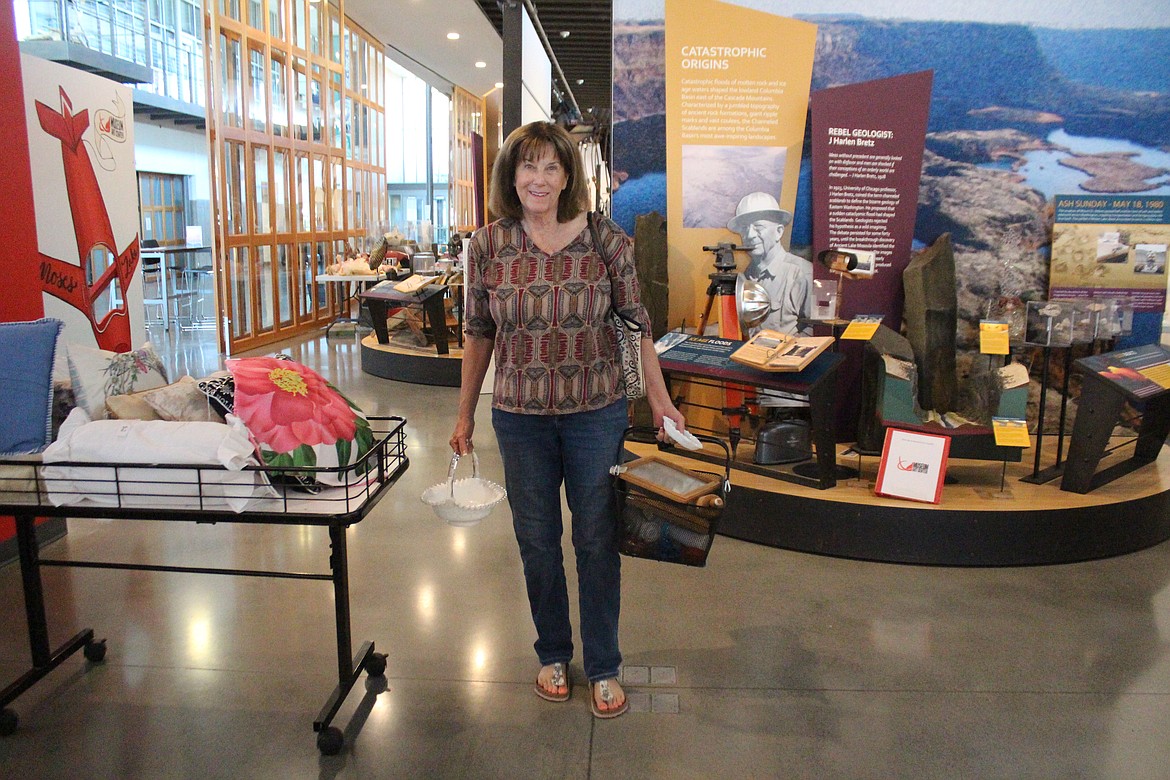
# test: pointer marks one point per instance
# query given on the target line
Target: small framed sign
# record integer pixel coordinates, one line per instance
(913, 466)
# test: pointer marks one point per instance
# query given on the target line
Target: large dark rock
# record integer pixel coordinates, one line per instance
(870, 431)
(930, 319)
(650, 258)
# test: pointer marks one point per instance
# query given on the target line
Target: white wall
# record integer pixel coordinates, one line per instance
(536, 76)
(179, 152)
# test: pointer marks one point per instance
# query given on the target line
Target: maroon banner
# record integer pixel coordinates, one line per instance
(867, 142)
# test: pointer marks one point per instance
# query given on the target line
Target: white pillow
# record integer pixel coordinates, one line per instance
(98, 373)
(225, 449)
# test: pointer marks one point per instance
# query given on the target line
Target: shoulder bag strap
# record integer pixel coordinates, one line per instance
(591, 217)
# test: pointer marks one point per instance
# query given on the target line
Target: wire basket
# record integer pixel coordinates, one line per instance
(463, 502)
(658, 528)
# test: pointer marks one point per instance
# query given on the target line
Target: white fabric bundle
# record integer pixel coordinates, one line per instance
(225, 449)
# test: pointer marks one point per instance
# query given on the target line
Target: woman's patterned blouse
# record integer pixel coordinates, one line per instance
(555, 345)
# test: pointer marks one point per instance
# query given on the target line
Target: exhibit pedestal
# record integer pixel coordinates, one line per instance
(976, 523)
(421, 366)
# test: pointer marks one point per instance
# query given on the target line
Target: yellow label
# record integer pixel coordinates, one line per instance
(860, 330)
(1010, 433)
(993, 338)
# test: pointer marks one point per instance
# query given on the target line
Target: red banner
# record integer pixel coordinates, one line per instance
(18, 233)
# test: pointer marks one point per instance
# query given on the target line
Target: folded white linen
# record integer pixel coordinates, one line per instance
(138, 447)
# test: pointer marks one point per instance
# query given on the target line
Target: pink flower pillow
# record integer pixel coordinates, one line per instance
(297, 418)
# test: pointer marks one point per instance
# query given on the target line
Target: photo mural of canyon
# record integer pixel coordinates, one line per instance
(1019, 113)
(1008, 127)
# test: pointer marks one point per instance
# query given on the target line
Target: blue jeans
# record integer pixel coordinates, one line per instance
(540, 452)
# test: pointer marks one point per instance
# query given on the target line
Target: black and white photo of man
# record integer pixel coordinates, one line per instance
(786, 277)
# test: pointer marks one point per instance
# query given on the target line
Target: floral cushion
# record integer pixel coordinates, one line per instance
(97, 374)
(297, 418)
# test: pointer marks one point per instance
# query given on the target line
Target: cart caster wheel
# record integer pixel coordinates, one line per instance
(8, 722)
(330, 741)
(95, 651)
(376, 664)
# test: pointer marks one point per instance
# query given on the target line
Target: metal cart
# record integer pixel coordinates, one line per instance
(26, 497)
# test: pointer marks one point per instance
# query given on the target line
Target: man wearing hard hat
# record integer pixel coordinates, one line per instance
(787, 278)
(760, 222)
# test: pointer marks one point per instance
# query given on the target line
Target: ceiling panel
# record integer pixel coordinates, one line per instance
(416, 31)
(585, 55)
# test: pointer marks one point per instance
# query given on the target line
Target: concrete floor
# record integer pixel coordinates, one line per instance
(765, 664)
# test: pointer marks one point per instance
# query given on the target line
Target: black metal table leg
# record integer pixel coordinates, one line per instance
(44, 660)
(329, 738)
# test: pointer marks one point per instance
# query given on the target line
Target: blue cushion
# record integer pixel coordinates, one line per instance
(26, 384)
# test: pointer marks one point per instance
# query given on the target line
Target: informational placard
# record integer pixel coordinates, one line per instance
(867, 142)
(913, 466)
(737, 87)
(703, 350)
(1113, 246)
(1141, 372)
(1010, 432)
(994, 337)
(862, 327)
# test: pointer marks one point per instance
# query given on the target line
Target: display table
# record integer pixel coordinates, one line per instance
(977, 522)
(334, 508)
(430, 298)
(706, 360)
(425, 364)
(349, 288)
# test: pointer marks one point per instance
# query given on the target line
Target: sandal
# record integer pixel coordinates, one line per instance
(607, 698)
(560, 679)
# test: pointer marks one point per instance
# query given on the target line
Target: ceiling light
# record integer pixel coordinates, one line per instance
(452, 36)
(580, 82)
(481, 64)
(499, 85)
(565, 33)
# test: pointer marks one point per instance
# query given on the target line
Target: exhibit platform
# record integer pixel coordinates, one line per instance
(975, 524)
(405, 363)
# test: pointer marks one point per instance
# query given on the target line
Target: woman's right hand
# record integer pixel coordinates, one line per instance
(461, 439)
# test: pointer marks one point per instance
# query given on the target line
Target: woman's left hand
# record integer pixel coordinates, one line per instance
(661, 411)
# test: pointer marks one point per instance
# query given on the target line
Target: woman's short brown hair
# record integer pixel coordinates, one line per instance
(527, 143)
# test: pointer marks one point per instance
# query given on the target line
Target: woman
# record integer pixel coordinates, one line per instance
(539, 294)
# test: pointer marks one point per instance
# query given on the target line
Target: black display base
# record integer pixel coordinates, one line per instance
(907, 533)
(1044, 476)
(842, 473)
(414, 367)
